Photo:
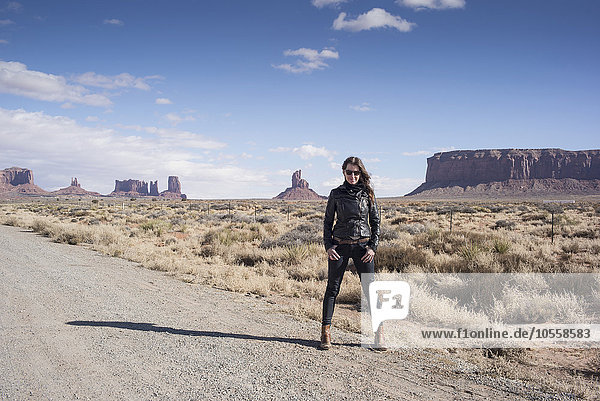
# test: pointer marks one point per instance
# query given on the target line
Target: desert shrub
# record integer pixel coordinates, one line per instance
(501, 246)
(228, 236)
(11, 221)
(412, 228)
(387, 233)
(159, 214)
(178, 221)
(158, 227)
(533, 217)
(571, 247)
(589, 233)
(249, 259)
(267, 219)
(466, 209)
(41, 227)
(469, 252)
(239, 218)
(303, 234)
(509, 225)
(399, 220)
(497, 208)
(295, 254)
(555, 208)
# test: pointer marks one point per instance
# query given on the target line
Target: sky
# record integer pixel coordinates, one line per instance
(233, 96)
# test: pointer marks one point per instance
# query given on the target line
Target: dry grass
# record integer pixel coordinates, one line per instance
(224, 244)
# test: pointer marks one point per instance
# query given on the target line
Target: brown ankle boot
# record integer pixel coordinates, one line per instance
(325, 337)
(380, 339)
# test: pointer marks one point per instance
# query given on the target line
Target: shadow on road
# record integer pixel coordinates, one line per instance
(181, 332)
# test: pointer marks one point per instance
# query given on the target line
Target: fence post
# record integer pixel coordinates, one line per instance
(450, 220)
(255, 212)
(229, 210)
(288, 217)
(552, 227)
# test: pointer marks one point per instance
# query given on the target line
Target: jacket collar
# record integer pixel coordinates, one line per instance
(353, 189)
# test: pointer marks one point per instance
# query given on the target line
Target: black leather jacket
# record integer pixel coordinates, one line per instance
(357, 216)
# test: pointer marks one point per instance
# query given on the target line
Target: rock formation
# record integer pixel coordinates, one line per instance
(298, 181)
(17, 181)
(16, 176)
(512, 172)
(299, 190)
(174, 189)
(75, 189)
(130, 188)
(136, 188)
(174, 185)
(154, 188)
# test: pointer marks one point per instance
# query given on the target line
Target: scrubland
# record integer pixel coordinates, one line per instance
(274, 249)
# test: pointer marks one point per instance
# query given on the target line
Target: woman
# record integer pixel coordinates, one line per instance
(355, 235)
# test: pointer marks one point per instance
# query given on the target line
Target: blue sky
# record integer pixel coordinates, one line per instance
(233, 96)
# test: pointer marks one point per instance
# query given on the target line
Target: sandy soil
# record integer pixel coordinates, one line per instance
(75, 324)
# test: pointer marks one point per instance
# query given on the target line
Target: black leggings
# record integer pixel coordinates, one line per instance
(336, 269)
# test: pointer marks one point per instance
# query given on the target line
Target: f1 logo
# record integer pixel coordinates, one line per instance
(389, 301)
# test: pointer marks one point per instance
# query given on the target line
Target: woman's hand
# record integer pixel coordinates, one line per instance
(368, 256)
(332, 254)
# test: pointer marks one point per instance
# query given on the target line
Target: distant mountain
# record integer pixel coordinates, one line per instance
(299, 190)
(16, 181)
(75, 189)
(511, 172)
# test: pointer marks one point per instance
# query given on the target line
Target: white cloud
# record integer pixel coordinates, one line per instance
(308, 60)
(114, 21)
(310, 151)
(417, 153)
(383, 186)
(14, 6)
(432, 4)
(376, 18)
(4, 22)
(123, 80)
(163, 100)
(16, 79)
(280, 149)
(43, 143)
(428, 152)
(362, 107)
(92, 119)
(285, 172)
(3, 41)
(306, 151)
(175, 118)
(386, 186)
(323, 3)
(333, 182)
(185, 139)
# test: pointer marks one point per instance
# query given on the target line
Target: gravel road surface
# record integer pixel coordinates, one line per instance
(75, 324)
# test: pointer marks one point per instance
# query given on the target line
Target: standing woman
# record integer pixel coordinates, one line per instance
(355, 235)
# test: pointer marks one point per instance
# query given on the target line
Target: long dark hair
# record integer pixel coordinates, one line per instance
(364, 178)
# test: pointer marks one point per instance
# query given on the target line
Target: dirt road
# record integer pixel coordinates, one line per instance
(75, 324)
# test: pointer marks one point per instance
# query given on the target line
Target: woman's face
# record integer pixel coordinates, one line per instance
(352, 173)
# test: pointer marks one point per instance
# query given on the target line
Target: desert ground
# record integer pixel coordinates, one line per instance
(269, 254)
